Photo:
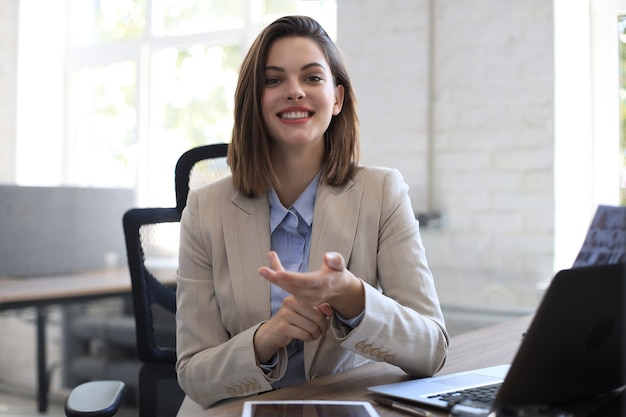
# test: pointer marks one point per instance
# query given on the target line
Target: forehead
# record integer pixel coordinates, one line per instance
(295, 51)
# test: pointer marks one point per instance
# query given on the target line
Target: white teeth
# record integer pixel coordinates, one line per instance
(295, 115)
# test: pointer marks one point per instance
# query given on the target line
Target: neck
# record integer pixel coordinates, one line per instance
(295, 174)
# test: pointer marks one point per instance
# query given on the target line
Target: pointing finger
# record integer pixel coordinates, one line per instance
(275, 263)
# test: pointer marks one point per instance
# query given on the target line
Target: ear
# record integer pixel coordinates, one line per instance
(339, 93)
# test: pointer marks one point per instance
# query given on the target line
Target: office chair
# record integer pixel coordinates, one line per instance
(152, 247)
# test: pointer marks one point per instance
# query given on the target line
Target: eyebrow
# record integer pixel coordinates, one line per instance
(304, 68)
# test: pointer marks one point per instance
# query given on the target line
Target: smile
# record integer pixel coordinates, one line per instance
(295, 115)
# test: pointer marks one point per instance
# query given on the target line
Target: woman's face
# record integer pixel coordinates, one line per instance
(300, 96)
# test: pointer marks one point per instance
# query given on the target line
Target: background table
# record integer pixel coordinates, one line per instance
(41, 292)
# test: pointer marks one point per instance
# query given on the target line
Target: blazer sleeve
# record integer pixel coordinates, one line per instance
(403, 323)
(212, 364)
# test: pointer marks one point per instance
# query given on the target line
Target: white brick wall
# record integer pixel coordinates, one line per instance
(492, 132)
(386, 46)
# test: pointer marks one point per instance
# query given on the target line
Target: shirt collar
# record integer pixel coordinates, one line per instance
(304, 205)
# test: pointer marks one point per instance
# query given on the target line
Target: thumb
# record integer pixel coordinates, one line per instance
(325, 309)
(335, 261)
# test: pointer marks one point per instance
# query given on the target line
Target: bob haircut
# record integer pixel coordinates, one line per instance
(249, 150)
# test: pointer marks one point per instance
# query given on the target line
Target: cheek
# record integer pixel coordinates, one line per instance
(269, 101)
(266, 107)
(332, 108)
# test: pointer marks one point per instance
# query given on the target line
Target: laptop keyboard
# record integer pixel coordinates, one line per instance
(479, 395)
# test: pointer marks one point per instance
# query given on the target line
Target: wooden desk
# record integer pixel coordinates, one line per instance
(492, 345)
(40, 292)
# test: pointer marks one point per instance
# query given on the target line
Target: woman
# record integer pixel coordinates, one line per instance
(303, 263)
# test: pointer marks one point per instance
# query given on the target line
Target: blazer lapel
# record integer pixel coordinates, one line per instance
(247, 242)
(335, 221)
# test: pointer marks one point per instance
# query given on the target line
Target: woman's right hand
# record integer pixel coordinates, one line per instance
(292, 321)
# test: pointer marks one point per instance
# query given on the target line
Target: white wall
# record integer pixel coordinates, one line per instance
(41, 65)
(467, 87)
(8, 90)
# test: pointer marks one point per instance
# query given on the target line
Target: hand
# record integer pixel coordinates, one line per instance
(292, 321)
(332, 284)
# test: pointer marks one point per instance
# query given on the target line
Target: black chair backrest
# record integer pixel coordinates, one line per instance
(159, 392)
(199, 166)
(152, 236)
(152, 269)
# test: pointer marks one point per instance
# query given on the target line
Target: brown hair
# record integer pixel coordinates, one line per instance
(248, 153)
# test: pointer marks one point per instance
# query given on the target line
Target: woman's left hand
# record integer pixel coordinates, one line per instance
(332, 284)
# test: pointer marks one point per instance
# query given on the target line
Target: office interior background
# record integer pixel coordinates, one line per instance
(502, 115)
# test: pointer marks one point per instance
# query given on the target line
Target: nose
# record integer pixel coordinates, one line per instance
(294, 91)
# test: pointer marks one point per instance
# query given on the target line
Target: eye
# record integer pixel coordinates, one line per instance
(271, 81)
(314, 78)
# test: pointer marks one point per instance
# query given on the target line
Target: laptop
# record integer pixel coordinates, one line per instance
(573, 349)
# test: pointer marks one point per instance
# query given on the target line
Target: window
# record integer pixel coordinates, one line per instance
(146, 80)
(622, 101)
(588, 156)
(606, 149)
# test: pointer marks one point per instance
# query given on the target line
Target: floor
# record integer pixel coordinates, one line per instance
(12, 405)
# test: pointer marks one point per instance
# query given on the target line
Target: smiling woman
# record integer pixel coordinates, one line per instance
(302, 263)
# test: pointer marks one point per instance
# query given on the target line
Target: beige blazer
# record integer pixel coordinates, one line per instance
(221, 298)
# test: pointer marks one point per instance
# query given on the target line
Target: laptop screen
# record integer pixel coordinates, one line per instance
(574, 347)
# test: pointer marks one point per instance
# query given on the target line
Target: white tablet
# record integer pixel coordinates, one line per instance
(309, 408)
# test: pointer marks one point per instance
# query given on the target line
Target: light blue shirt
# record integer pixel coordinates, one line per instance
(291, 238)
